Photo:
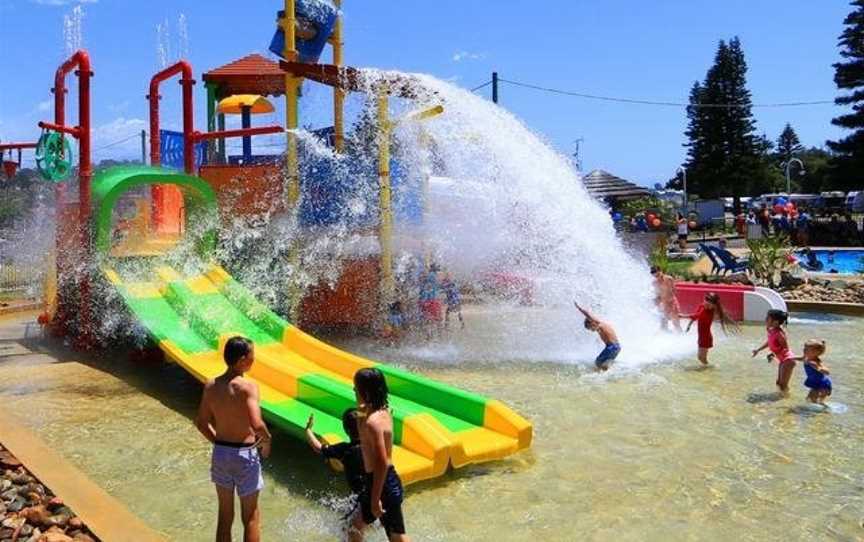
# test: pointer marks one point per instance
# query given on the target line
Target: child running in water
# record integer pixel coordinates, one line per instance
(711, 309)
(453, 299)
(607, 335)
(349, 454)
(817, 371)
(381, 499)
(779, 346)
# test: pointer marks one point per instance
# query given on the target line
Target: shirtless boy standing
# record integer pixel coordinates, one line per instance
(230, 418)
(667, 302)
(382, 494)
(607, 335)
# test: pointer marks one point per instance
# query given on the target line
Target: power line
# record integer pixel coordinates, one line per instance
(124, 140)
(486, 84)
(658, 103)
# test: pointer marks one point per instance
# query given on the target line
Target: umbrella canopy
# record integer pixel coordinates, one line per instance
(233, 105)
(603, 185)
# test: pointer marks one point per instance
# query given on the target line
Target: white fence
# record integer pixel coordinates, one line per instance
(20, 280)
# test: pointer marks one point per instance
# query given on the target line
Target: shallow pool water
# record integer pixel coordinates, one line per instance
(843, 262)
(665, 452)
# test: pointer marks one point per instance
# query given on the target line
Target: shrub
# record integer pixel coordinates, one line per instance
(769, 257)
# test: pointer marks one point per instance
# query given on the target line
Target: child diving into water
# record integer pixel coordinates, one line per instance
(381, 498)
(607, 335)
(817, 371)
(778, 343)
(349, 454)
(711, 309)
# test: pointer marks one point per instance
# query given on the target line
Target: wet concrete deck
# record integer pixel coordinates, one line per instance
(106, 517)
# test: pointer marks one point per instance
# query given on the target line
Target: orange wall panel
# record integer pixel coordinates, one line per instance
(353, 301)
(246, 190)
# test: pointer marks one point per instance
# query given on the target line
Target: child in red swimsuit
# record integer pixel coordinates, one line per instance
(711, 309)
(779, 346)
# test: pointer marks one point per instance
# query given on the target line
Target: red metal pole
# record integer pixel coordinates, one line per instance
(85, 173)
(259, 130)
(74, 132)
(59, 91)
(81, 60)
(18, 146)
(188, 122)
(85, 176)
(187, 81)
(157, 192)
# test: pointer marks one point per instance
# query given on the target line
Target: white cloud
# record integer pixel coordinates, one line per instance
(119, 138)
(119, 107)
(44, 106)
(62, 2)
(459, 56)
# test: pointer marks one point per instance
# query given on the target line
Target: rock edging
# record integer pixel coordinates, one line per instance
(30, 512)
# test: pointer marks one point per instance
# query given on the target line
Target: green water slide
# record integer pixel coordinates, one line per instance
(190, 315)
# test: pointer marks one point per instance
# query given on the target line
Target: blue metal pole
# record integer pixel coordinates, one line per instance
(246, 120)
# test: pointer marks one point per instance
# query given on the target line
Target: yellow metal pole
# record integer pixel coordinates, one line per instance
(385, 232)
(292, 167)
(426, 145)
(338, 93)
(292, 86)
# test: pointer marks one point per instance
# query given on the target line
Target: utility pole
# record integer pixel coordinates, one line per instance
(144, 147)
(577, 154)
(788, 166)
(495, 87)
(683, 171)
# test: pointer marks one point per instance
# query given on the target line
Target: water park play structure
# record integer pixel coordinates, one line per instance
(12, 164)
(189, 305)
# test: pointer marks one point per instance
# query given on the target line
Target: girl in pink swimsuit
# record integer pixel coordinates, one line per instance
(779, 346)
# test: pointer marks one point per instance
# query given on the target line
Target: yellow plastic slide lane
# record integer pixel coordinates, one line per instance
(435, 426)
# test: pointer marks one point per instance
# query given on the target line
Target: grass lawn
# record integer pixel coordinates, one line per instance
(678, 267)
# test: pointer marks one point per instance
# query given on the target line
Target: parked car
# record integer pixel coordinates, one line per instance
(804, 200)
(832, 202)
(855, 201)
(858, 204)
(707, 211)
(729, 204)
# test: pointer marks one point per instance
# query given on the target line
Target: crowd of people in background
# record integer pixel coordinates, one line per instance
(429, 301)
(798, 226)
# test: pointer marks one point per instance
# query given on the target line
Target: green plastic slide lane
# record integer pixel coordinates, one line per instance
(163, 323)
(166, 321)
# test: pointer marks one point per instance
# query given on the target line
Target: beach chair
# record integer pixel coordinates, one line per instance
(715, 264)
(728, 261)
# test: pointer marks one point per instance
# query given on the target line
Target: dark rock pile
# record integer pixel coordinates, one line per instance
(29, 512)
(836, 291)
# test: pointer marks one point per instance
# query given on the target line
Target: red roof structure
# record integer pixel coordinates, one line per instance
(252, 74)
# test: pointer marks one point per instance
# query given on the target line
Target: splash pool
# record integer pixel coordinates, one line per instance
(657, 452)
(844, 262)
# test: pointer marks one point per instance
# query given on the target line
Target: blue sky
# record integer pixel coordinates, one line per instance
(624, 48)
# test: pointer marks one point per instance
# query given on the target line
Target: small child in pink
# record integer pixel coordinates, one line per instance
(779, 346)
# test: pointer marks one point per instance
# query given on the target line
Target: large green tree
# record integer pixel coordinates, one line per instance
(724, 156)
(818, 176)
(788, 144)
(848, 161)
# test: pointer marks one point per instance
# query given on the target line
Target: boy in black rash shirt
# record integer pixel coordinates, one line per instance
(348, 453)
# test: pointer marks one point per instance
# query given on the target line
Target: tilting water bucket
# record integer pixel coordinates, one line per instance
(9, 168)
(316, 20)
